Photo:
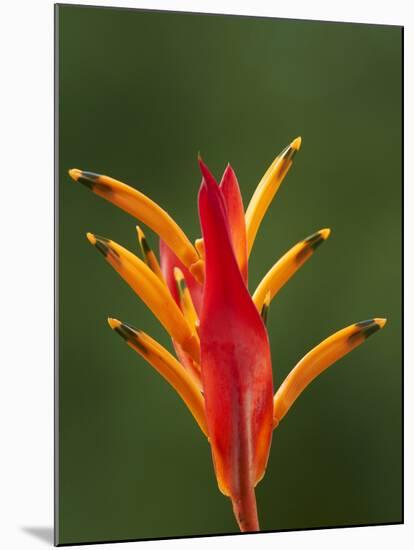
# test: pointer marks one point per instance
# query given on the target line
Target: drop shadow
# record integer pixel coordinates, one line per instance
(42, 533)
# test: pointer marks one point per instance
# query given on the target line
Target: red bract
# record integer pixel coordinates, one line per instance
(169, 261)
(234, 215)
(235, 361)
(200, 295)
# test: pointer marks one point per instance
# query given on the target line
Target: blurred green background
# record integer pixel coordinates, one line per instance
(140, 93)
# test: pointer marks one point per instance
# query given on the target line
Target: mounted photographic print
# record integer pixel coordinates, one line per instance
(228, 274)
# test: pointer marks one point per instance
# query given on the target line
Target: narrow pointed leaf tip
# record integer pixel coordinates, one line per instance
(293, 148)
(230, 190)
(296, 143)
(267, 189)
(207, 175)
(148, 255)
(102, 244)
(287, 266)
(319, 359)
(235, 365)
(74, 173)
(91, 238)
(166, 365)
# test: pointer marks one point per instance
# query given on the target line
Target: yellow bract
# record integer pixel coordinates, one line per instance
(144, 209)
(199, 244)
(148, 255)
(186, 303)
(167, 366)
(287, 266)
(266, 190)
(151, 290)
(317, 360)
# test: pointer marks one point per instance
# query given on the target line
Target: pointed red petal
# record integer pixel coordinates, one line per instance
(229, 187)
(235, 358)
(168, 260)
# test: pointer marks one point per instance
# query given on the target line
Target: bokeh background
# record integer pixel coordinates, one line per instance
(140, 93)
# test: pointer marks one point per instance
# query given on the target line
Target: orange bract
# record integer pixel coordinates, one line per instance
(199, 294)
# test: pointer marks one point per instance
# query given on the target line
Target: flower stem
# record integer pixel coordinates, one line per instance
(245, 510)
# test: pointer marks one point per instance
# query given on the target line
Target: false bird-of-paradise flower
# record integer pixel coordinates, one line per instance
(200, 295)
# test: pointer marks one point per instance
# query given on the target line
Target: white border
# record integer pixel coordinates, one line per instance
(26, 299)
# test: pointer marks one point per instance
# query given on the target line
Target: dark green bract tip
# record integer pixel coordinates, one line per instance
(368, 327)
(145, 247)
(88, 179)
(264, 312)
(130, 334)
(181, 286)
(311, 243)
(314, 240)
(127, 332)
(102, 246)
(364, 329)
(289, 153)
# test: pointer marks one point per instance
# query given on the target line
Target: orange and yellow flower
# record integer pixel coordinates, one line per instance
(199, 293)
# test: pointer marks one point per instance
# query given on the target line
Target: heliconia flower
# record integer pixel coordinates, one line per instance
(199, 293)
